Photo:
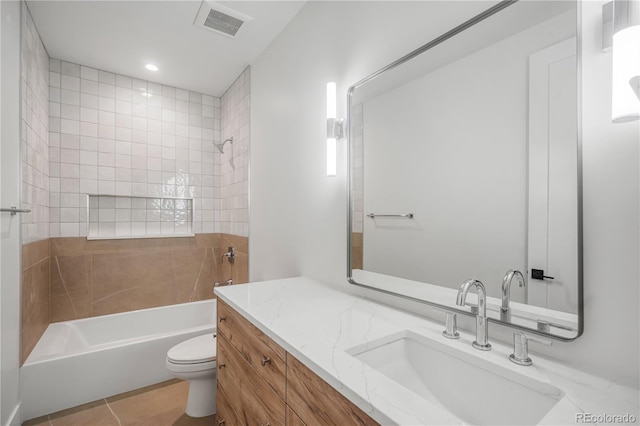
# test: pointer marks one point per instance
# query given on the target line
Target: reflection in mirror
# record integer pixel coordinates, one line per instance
(465, 164)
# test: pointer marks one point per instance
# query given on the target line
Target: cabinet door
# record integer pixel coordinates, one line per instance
(265, 356)
(252, 399)
(293, 419)
(316, 402)
(225, 415)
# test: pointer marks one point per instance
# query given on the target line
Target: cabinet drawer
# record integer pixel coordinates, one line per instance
(316, 402)
(265, 356)
(253, 400)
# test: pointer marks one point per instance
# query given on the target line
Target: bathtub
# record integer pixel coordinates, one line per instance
(80, 361)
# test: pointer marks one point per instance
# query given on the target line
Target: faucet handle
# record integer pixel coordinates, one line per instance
(520, 353)
(451, 326)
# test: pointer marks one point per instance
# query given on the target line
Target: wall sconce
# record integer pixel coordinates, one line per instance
(621, 31)
(335, 129)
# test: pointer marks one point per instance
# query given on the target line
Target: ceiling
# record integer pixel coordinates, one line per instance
(123, 36)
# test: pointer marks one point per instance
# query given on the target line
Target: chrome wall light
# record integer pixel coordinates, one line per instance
(335, 129)
(621, 34)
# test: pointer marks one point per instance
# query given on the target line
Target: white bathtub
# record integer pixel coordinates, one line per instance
(80, 361)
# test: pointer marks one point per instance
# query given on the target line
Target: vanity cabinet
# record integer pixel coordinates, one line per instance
(259, 383)
(316, 402)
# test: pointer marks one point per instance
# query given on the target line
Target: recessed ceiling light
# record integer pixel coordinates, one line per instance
(151, 67)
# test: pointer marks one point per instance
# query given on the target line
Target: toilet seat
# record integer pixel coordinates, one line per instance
(201, 349)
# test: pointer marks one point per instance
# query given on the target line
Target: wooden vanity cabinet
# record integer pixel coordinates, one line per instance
(259, 383)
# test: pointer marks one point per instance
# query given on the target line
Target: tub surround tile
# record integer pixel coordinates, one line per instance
(334, 321)
(34, 306)
(35, 252)
(99, 277)
(70, 278)
(356, 250)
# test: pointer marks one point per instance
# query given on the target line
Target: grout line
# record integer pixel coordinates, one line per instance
(112, 412)
(114, 294)
(195, 284)
(64, 285)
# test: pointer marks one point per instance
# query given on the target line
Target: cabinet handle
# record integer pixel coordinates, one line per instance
(265, 360)
(223, 319)
(221, 422)
(221, 366)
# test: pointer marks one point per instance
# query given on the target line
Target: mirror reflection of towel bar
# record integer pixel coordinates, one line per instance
(407, 215)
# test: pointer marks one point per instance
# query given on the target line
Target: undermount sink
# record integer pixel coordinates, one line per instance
(475, 390)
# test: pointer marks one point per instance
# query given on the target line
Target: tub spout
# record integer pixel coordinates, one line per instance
(223, 283)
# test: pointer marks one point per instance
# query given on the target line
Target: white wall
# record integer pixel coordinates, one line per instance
(298, 215)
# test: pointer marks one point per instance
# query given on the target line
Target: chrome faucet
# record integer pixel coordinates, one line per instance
(482, 326)
(505, 310)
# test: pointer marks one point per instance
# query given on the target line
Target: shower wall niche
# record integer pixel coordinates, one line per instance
(121, 217)
(115, 135)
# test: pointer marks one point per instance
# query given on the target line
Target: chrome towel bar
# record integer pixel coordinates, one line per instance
(14, 210)
(407, 215)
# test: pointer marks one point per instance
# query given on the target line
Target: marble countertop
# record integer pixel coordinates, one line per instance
(317, 323)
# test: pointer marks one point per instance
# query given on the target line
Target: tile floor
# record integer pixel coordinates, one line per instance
(158, 405)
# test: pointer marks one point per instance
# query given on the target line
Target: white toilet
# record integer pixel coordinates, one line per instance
(195, 360)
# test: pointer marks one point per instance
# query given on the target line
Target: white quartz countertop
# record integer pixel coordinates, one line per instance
(316, 323)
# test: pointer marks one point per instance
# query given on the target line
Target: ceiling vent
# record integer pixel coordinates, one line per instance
(221, 19)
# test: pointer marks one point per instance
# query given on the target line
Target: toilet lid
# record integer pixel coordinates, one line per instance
(195, 350)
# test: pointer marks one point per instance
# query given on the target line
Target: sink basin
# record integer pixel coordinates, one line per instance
(474, 389)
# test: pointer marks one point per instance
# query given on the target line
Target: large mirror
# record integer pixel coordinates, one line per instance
(465, 163)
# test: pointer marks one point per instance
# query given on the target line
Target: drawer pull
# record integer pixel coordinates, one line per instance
(221, 422)
(221, 366)
(265, 360)
(223, 319)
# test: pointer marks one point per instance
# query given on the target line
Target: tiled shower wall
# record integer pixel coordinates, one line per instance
(34, 140)
(34, 133)
(117, 135)
(236, 118)
(91, 131)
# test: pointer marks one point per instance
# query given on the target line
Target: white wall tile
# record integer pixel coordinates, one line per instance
(127, 136)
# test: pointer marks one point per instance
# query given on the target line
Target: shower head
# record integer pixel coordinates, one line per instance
(221, 146)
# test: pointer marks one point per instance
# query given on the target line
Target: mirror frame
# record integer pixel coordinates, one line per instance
(438, 40)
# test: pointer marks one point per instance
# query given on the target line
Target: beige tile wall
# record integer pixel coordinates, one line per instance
(92, 278)
(70, 278)
(356, 250)
(35, 295)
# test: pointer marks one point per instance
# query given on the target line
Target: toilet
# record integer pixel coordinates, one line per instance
(194, 360)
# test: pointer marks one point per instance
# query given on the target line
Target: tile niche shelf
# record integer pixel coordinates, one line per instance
(113, 217)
